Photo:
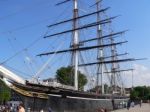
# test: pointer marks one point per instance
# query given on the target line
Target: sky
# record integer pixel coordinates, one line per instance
(24, 21)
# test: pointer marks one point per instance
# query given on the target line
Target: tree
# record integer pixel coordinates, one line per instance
(5, 94)
(140, 92)
(134, 95)
(65, 76)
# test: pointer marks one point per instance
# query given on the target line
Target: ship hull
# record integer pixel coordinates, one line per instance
(58, 104)
(37, 97)
(69, 104)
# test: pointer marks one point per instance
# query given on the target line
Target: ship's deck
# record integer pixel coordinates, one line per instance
(35, 88)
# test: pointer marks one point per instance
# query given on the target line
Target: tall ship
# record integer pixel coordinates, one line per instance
(90, 47)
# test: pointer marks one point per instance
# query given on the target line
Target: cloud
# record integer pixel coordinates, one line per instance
(141, 76)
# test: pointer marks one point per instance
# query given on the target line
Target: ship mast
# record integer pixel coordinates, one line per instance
(76, 48)
(100, 50)
(75, 43)
(113, 74)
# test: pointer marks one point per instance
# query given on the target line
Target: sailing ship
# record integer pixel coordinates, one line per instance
(66, 98)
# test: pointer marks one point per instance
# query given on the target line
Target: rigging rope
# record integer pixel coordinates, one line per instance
(48, 61)
(23, 9)
(32, 43)
(36, 23)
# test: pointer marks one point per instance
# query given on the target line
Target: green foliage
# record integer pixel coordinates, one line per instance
(134, 95)
(82, 80)
(65, 76)
(140, 92)
(5, 94)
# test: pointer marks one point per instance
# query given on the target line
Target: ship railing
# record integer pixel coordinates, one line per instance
(56, 84)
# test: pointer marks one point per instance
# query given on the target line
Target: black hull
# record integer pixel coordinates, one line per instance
(60, 104)
(37, 98)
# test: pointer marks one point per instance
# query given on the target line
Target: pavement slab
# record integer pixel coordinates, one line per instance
(144, 108)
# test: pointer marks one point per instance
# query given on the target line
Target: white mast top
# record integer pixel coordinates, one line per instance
(100, 50)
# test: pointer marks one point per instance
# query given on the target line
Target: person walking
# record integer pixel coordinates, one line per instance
(128, 104)
(141, 103)
(113, 104)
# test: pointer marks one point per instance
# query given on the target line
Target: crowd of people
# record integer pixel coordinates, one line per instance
(131, 104)
(10, 108)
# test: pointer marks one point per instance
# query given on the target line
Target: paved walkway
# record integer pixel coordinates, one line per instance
(143, 108)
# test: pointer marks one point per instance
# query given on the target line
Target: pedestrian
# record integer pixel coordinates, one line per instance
(6, 109)
(132, 104)
(128, 104)
(141, 103)
(49, 109)
(21, 108)
(113, 104)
